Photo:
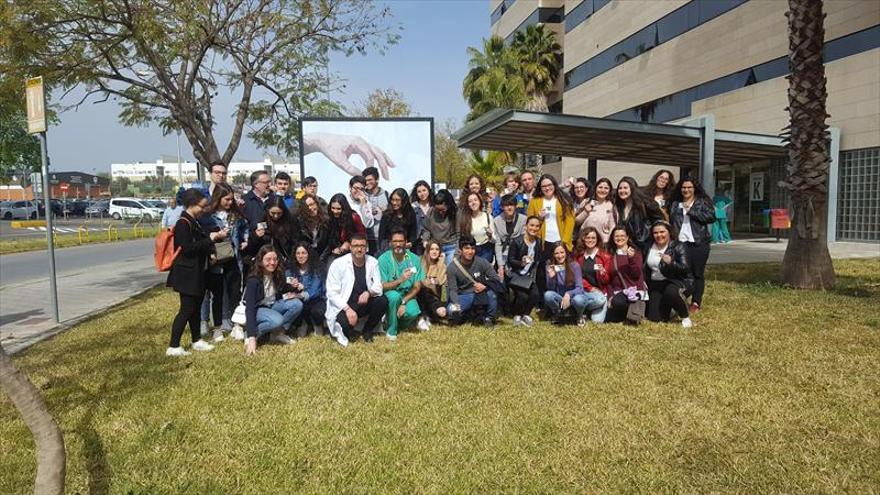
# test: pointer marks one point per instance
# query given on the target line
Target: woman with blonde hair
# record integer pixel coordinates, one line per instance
(430, 295)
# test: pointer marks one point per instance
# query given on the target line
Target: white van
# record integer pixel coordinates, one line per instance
(133, 208)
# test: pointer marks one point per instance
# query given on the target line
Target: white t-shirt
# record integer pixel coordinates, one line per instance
(268, 292)
(686, 234)
(551, 227)
(479, 224)
(530, 253)
(653, 262)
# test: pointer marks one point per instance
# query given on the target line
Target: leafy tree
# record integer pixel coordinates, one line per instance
(450, 162)
(166, 61)
(540, 62)
(494, 79)
(490, 165)
(19, 151)
(384, 103)
(807, 262)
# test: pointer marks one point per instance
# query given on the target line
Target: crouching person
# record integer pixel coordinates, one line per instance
(354, 291)
(473, 286)
(271, 304)
(401, 272)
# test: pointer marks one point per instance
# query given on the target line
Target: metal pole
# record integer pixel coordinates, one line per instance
(47, 196)
(179, 171)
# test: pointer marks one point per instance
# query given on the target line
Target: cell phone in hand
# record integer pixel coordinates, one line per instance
(262, 225)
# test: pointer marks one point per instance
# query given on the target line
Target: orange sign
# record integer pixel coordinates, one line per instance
(779, 219)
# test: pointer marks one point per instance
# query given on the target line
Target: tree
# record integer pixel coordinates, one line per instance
(167, 61)
(807, 262)
(450, 162)
(19, 151)
(490, 165)
(51, 457)
(540, 62)
(493, 79)
(384, 103)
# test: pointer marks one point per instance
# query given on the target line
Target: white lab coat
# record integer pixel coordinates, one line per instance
(340, 282)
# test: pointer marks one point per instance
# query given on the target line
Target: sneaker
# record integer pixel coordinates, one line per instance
(218, 335)
(687, 323)
(204, 328)
(201, 345)
(423, 324)
(226, 326)
(582, 321)
(489, 322)
(517, 320)
(237, 333)
(340, 335)
(527, 320)
(390, 337)
(176, 351)
(280, 338)
(694, 308)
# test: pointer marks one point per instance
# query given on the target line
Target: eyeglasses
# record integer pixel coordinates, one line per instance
(358, 246)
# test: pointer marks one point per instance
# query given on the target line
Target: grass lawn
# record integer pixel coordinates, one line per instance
(774, 390)
(126, 233)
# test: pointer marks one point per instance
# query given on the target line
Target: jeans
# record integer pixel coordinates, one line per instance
(466, 301)
(279, 316)
(449, 252)
(410, 314)
(589, 301)
(486, 251)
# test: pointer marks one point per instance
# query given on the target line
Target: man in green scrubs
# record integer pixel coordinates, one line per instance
(401, 273)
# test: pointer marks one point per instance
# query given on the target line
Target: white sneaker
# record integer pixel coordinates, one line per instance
(340, 335)
(204, 328)
(237, 333)
(517, 320)
(582, 321)
(527, 320)
(423, 324)
(218, 335)
(390, 337)
(176, 351)
(280, 338)
(201, 345)
(687, 323)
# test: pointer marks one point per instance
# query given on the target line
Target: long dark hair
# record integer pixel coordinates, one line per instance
(641, 202)
(465, 217)
(309, 220)
(406, 212)
(699, 192)
(221, 191)
(445, 197)
(414, 196)
(651, 189)
(611, 191)
(612, 248)
(586, 183)
(257, 270)
(281, 229)
(563, 199)
(345, 222)
(569, 272)
(311, 265)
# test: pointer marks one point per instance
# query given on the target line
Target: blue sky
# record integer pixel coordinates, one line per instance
(427, 66)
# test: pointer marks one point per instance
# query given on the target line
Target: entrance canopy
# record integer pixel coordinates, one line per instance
(605, 139)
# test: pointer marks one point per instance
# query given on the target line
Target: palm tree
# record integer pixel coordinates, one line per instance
(490, 165)
(493, 79)
(807, 262)
(540, 62)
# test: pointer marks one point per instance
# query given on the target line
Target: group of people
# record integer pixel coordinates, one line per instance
(273, 265)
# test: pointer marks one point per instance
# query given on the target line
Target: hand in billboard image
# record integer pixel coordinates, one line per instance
(338, 148)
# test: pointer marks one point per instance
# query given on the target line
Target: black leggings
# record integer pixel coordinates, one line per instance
(617, 310)
(664, 296)
(429, 302)
(698, 255)
(373, 310)
(522, 301)
(189, 312)
(313, 314)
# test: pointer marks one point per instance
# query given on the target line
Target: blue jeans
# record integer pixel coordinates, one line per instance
(448, 252)
(279, 316)
(592, 301)
(466, 301)
(487, 251)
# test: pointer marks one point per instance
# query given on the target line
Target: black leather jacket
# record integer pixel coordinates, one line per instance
(679, 270)
(517, 249)
(702, 216)
(638, 226)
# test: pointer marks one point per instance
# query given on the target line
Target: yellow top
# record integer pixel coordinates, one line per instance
(564, 220)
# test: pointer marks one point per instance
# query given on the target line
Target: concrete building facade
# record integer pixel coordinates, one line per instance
(674, 61)
(185, 172)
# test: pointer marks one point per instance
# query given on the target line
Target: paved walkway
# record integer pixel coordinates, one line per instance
(769, 250)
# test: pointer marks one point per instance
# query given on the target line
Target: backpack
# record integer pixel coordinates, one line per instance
(164, 253)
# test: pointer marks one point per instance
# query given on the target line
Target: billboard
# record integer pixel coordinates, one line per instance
(334, 150)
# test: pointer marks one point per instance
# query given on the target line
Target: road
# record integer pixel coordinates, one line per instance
(62, 226)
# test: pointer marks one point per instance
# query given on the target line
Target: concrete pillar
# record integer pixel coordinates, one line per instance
(833, 184)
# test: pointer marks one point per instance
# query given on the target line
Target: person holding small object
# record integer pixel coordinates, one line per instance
(595, 265)
(475, 222)
(660, 188)
(402, 274)
(313, 228)
(354, 292)
(359, 202)
(430, 295)
(270, 300)
(398, 215)
(343, 223)
(522, 262)
(636, 211)
(440, 224)
(422, 201)
(565, 287)
(601, 214)
(627, 289)
(669, 276)
(581, 200)
(472, 286)
(692, 217)
(308, 283)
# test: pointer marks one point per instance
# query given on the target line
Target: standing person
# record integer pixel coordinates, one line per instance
(313, 228)
(402, 275)
(309, 186)
(378, 199)
(627, 278)
(342, 225)
(581, 200)
(354, 291)
(219, 175)
(668, 275)
(440, 224)
(187, 275)
(423, 200)
(720, 233)
(472, 286)
(473, 221)
(595, 265)
(522, 262)
(511, 186)
(282, 188)
(360, 204)
(555, 209)
(507, 226)
(692, 216)
(636, 211)
(529, 183)
(308, 284)
(601, 214)
(565, 288)
(430, 295)
(398, 215)
(171, 214)
(660, 188)
(255, 199)
(271, 304)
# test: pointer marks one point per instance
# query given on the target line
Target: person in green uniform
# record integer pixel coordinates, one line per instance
(720, 234)
(401, 271)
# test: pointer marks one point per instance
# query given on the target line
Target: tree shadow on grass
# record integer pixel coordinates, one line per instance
(865, 285)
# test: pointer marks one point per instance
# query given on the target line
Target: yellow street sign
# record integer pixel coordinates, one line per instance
(36, 105)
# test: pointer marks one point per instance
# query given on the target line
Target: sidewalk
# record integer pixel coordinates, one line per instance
(767, 249)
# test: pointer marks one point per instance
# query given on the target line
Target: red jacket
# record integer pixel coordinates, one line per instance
(631, 270)
(604, 259)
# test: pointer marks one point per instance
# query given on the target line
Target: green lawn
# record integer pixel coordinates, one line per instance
(774, 390)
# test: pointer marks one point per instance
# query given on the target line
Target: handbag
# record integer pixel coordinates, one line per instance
(635, 311)
(520, 281)
(223, 252)
(239, 316)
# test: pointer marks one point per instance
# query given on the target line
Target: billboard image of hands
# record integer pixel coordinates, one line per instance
(335, 150)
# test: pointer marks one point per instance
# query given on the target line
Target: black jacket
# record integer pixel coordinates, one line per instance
(253, 296)
(317, 240)
(390, 221)
(702, 215)
(254, 209)
(638, 226)
(679, 270)
(187, 275)
(515, 252)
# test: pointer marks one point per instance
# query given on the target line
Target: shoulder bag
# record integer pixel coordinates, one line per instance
(635, 311)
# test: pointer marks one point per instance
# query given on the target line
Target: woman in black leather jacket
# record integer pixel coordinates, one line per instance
(636, 211)
(692, 215)
(313, 225)
(668, 275)
(524, 260)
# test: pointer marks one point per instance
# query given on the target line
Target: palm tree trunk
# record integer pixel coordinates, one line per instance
(807, 262)
(51, 458)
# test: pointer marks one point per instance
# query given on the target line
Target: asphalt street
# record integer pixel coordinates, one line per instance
(63, 226)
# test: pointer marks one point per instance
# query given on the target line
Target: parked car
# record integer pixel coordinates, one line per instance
(77, 207)
(133, 208)
(19, 210)
(98, 208)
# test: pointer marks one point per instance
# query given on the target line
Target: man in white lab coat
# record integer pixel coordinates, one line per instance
(354, 292)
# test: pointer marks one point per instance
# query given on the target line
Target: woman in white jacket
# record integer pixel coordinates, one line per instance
(354, 291)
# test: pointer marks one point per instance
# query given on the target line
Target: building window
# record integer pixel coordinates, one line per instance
(582, 12)
(542, 15)
(858, 196)
(500, 10)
